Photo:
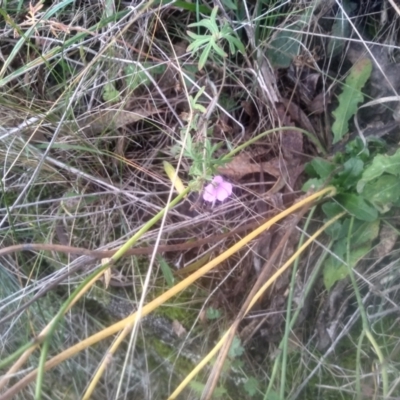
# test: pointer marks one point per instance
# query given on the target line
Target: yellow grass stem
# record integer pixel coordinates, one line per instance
(267, 284)
(129, 321)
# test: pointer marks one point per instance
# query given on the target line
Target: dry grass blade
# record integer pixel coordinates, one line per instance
(127, 322)
(266, 271)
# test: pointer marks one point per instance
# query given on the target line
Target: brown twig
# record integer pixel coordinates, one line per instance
(266, 271)
(98, 254)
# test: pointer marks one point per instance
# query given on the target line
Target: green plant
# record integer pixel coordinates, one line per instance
(350, 97)
(211, 41)
(198, 148)
(368, 186)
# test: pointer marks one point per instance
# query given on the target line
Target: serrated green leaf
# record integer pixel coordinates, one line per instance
(383, 192)
(357, 206)
(213, 313)
(333, 274)
(110, 93)
(380, 164)
(251, 386)
(350, 97)
(236, 349)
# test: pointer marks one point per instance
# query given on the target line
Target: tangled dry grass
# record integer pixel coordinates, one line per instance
(93, 99)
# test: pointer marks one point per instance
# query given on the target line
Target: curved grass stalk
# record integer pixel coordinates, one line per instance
(289, 308)
(291, 323)
(254, 300)
(94, 276)
(25, 352)
(46, 334)
(364, 318)
(128, 327)
(255, 139)
(328, 191)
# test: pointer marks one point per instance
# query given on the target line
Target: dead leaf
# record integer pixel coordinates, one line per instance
(107, 273)
(242, 165)
(309, 86)
(291, 140)
(388, 237)
(319, 103)
(96, 123)
(178, 328)
(298, 116)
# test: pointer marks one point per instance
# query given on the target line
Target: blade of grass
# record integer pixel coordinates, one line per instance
(329, 191)
(254, 300)
(289, 308)
(364, 317)
(284, 340)
(95, 275)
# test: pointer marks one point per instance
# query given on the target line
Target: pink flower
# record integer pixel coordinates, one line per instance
(218, 189)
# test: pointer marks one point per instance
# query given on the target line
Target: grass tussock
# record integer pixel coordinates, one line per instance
(97, 98)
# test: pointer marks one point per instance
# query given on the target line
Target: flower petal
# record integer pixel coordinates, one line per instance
(210, 193)
(217, 179)
(224, 190)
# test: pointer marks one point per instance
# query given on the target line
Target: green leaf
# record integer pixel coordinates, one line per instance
(331, 209)
(357, 206)
(341, 29)
(235, 43)
(272, 395)
(213, 313)
(251, 386)
(352, 170)
(333, 274)
(198, 387)
(350, 97)
(320, 167)
(334, 230)
(285, 45)
(204, 55)
(383, 192)
(335, 271)
(186, 6)
(380, 164)
(166, 271)
(230, 5)
(205, 23)
(110, 93)
(135, 76)
(236, 349)
(219, 50)
(314, 184)
(366, 232)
